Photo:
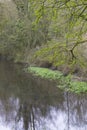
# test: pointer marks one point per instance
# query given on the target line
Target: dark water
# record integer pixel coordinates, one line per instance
(28, 103)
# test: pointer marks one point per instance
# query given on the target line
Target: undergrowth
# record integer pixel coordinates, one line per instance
(63, 82)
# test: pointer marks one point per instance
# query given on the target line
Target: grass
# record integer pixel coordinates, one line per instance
(65, 83)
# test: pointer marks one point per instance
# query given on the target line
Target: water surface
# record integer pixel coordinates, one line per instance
(30, 103)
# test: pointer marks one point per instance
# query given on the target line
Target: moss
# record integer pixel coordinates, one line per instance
(65, 83)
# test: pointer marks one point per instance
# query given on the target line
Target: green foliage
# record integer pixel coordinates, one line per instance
(19, 36)
(59, 25)
(74, 86)
(45, 73)
(78, 87)
(56, 53)
(65, 83)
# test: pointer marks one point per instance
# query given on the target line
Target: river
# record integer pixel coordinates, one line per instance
(30, 103)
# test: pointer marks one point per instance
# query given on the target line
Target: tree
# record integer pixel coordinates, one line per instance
(74, 20)
(42, 22)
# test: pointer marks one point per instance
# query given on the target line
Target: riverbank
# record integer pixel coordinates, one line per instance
(68, 83)
(65, 78)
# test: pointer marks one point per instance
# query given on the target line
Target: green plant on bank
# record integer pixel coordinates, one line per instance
(72, 86)
(45, 73)
(78, 87)
(65, 83)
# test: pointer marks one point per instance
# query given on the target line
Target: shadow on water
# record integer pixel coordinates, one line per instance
(29, 103)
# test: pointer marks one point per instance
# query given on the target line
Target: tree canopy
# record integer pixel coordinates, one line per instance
(58, 26)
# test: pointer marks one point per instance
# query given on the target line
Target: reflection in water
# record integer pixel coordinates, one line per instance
(29, 103)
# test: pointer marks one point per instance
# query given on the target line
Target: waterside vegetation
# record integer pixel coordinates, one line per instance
(63, 82)
(46, 33)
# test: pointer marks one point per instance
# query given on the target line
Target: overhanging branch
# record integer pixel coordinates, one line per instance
(75, 45)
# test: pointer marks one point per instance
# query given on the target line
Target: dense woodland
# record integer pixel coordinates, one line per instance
(37, 31)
